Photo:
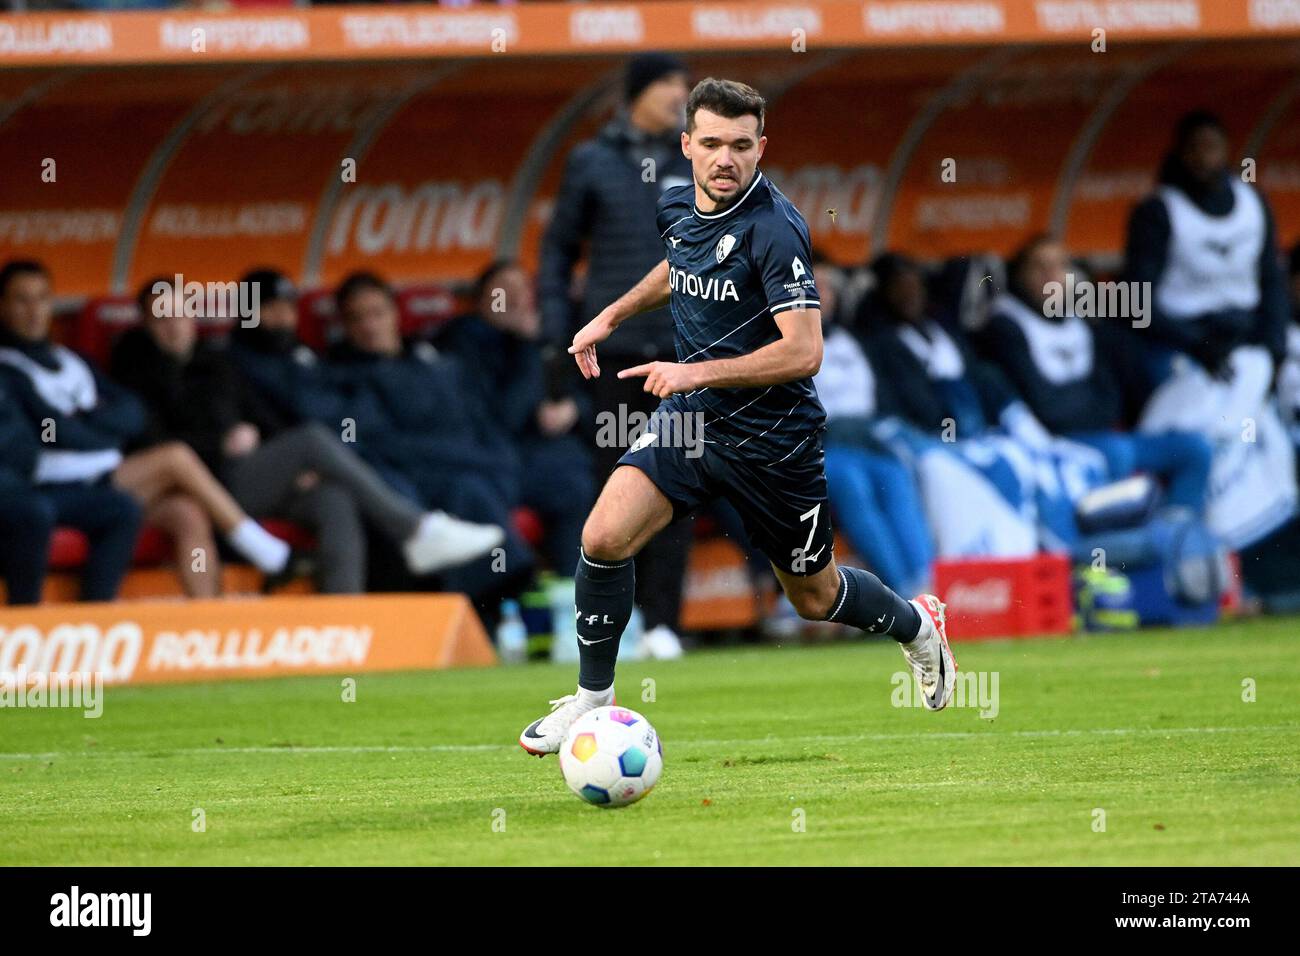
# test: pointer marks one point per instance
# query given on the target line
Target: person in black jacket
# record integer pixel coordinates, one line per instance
(938, 384)
(300, 472)
(85, 420)
(1074, 376)
(109, 518)
(541, 410)
(422, 413)
(1207, 244)
(606, 202)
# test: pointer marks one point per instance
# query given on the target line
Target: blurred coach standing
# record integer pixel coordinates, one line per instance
(607, 201)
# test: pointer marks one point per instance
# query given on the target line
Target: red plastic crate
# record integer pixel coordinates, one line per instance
(1006, 598)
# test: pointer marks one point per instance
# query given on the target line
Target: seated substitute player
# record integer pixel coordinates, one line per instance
(738, 278)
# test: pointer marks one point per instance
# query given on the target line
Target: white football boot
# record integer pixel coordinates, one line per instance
(929, 655)
(545, 734)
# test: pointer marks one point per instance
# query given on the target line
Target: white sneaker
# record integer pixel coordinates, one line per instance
(441, 541)
(544, 735)
(929, 655)
(661, 644)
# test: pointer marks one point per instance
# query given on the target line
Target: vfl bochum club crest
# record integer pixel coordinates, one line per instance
(725, 245)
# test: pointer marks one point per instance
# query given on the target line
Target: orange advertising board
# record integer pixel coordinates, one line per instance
(425, 172)
(423, 30)
(151, 642)
(718, 592)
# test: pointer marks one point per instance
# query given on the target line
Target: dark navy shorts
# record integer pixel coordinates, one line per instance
(784, 506)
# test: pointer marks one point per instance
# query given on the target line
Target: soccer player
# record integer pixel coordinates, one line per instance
(738, 278)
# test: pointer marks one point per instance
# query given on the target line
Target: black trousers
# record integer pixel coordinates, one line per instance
(661, 565)
(109, 518)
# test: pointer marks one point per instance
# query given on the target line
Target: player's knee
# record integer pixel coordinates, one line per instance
(178, 457)
(602, 541)
(319, 440)
(814, 602)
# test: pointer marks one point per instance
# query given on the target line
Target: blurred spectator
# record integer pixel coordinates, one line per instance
(1288, 381)
(994, 481)
(300, 472)
(422, 415)
(940, 386)
(91, 419)
(292, 381)
(109, 518)
(1206, 242)
(1072, 375)
(874, 495)
(607, 201)
(542, 413)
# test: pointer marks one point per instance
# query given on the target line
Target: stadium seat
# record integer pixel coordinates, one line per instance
(296, 535)
(425, 307)
(103, 319)
(316, 316)
(68, 547)
(99, 322)
(529, 525)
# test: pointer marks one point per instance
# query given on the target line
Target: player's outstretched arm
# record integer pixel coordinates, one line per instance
(652, 292)
(796, 354)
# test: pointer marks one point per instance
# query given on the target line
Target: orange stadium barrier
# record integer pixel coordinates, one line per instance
(150, 642)
(549, 28)
(718, 593)
(210, 170)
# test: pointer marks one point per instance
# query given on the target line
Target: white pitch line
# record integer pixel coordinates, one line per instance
(726, 742)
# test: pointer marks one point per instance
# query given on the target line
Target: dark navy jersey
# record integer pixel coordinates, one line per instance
(731, 273)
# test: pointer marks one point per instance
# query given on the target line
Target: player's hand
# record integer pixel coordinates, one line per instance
(584, 344)
(663, 378)
(240, 440)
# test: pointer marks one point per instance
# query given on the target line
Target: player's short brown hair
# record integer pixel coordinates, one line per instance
(725, 98)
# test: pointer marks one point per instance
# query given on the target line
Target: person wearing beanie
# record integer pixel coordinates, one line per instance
(605, 210)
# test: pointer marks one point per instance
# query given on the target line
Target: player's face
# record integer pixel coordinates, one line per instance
(509, 305)
(28, 307)
(724, 155)
(175, 333)
(661, 107)
(1047, 263)
(1205, 154)
(278, 314)
(906, 296)
(370, 322)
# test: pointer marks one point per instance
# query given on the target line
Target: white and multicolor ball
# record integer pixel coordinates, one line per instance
(611, 757)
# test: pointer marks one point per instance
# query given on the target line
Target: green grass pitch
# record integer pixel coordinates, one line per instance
(772, 756)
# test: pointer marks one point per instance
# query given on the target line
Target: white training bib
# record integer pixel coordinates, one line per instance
(1213, 260)
(1062, 351)
(69, 388)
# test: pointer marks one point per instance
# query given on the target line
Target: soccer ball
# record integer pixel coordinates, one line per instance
(611, 757)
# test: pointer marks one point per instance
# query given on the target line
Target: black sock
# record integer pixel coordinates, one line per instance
(604, 592)
(865, 603)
